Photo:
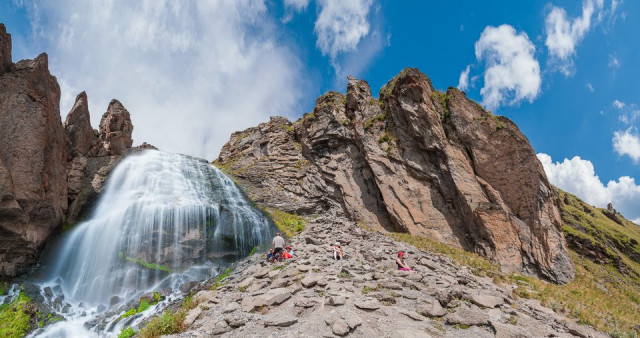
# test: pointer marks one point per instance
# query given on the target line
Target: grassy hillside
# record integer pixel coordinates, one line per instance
(605, 251)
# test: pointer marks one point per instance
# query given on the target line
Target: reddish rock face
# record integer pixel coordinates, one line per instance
(416, 160)
(78, 127)
(115, 131)
(33, 177)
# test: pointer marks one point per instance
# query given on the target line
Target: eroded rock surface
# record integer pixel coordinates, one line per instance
(415, 160)
(375, 300)
(33, 167)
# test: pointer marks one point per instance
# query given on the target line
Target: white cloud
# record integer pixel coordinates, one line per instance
(512, 73)
(627, 143)
(297, 5)
(613, 61)
(341, 25)
(578, 177)
(618, 104)
(563, 34)
(190, 73)
(590, 86)
(463, 82)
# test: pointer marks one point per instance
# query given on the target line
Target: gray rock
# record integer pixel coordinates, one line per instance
(367, 304)
(431, 308)
(310, 281)
(336, 300)
(271, 297)
(235, 321)
(487, 301)
(281, 321)
(466, 316)
(192, 315)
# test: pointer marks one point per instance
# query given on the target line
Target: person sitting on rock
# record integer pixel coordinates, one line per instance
(289, 251)
(270, 256)
(288, 254)
(401, 264)
(338, 254)
(278, 245)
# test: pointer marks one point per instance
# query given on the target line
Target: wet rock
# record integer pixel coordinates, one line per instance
(114, 300)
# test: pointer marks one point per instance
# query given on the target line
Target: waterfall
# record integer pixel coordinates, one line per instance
(162, 219)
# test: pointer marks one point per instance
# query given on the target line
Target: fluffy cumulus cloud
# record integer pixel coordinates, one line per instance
(341, 25)
(564, 34)
(463, 82)
(578, 177)
(512, 73)
(190, 73)
(627, 143)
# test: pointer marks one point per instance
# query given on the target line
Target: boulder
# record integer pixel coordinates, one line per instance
(271, 297)
(468, 316)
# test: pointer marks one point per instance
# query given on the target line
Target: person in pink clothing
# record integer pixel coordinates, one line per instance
(401, 264)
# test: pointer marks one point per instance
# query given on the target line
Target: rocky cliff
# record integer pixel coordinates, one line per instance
(49, 172)
(415, 160)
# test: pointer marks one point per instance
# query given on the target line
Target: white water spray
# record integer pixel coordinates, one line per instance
(162, 220)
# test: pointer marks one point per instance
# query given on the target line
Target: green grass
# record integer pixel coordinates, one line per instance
(217, 282)
(289, 224)
(132, 311)
(253, 251)
(127, 333)
(14, 320)
(169, 322)
(4, 287)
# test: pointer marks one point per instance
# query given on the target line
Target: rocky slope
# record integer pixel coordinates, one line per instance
(49, 172)
(415, 160)
(365, 296)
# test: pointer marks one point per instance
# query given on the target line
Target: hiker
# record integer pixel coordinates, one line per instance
(400, 262)
(270, 256)
(338, 254)
(289, 252)
(278, 245)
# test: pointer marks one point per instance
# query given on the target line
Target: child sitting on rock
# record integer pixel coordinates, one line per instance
(401, 264)
(270, 256)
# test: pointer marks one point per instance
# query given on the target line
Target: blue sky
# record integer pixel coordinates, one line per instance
(192, 72)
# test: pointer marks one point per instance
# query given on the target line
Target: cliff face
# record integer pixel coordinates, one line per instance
(33, 178)
(416, 160)
(49, 172)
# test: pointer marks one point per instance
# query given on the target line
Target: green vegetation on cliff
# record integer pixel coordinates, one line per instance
(288, 223)
(14, 317)
(606, 290)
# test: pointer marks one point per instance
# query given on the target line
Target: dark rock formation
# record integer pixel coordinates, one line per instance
(49, 173)
(5, 50)
(115, 131)
(78, 127)
(33, 172)
(416, 160)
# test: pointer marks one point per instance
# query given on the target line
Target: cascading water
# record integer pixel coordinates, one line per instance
(162, 220)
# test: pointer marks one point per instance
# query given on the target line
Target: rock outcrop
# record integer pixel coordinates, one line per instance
(365, 295)
(415, 160)
(33, 164)
(50, 173)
